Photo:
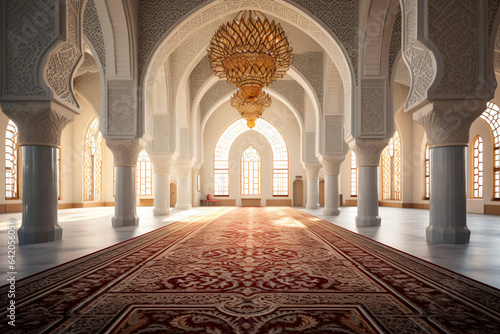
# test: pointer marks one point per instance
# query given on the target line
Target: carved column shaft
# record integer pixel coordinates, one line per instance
(161, 167)
(367, 160)
(447, 124)
(183, 187)
(40, 127)
(312, 172)
(331, 166)
(125, 154)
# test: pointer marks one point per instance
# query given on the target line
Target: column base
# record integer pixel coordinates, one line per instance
(39, 235)
(312, 206)
(368, 220)
(331, 212)
(125, 221)
(161, 212)
(183, 206)
(447, 235)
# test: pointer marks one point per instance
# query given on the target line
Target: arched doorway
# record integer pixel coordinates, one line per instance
(298, 192)
(173, 194)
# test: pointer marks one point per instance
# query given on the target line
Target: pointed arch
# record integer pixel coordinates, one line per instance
(354, 175)
(492, 116)
(391, 169)
(427, 172)
(93, 162)
(11, 161)
(251, 172)
(144, 175)
(278, 147)
(477, 167)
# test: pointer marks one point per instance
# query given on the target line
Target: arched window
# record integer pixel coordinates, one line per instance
(278, 147)
(144, 176)
(477, 168)
(11, 162)
(354, 175)
(427, 172)
(391, 169)
(93, 162)
(492, 116)
(251, 172)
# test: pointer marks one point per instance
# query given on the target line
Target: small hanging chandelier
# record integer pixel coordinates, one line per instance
(251, 110)
(251, 52)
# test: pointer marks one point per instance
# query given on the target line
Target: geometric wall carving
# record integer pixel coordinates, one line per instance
(92, 30)
(26, 40)
(200, 74)
(162, 142)
(373, 108)
(64, 60)
(334, 134)
(310, 65)
(89, 86)
(417, 55)
(122, 108)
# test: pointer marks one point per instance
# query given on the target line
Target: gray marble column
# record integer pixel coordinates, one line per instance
(447, 124)
(448, 216)
(40, 126)
(125, 188)
(312, 171)
(125, 154)
(367, 196)
(368, 152)
(40, 170)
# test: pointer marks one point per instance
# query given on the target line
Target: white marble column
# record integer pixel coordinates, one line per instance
(161, 166)
(312, 172)
(367, 160)
(40, 127)
(125, 154)
(447, 124)
(183, 174)
(331, 166)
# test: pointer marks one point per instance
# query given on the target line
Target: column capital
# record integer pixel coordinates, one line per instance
(368, 150)
(447, 122)
(331, 163)
(183, 167)
(125, 151)
(312, 169)
(161, 163)
(40, 123)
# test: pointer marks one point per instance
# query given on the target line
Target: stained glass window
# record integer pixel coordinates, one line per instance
(391, 169)
(11, 161)
(492, 116)
(251, 170)
(427, 172)
(477, 168)
(144, 175)
(93, 162)
(278, 146)
(354, 175)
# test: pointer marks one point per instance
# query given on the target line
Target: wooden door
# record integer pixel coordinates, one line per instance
(322, 192)
(298, 192)
(173, 194)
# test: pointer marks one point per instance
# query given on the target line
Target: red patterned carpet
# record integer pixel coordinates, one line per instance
(252, 270)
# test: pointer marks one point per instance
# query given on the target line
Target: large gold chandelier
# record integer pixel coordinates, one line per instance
(251, 52)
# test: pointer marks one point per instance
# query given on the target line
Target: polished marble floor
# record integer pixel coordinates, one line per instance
(89, 230)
